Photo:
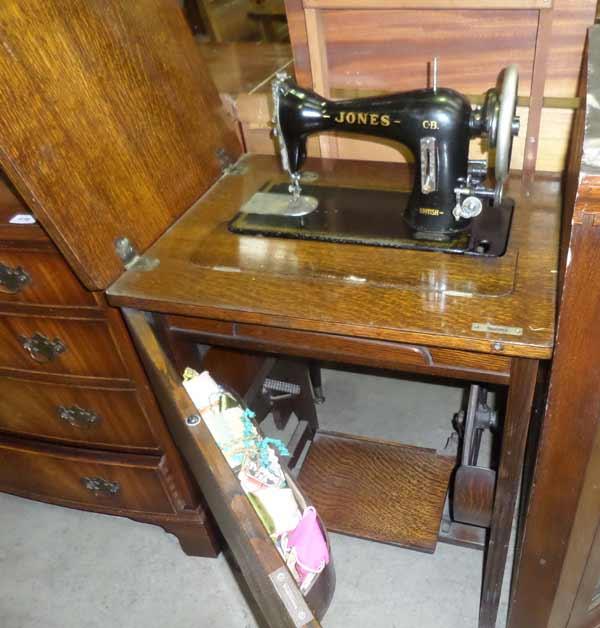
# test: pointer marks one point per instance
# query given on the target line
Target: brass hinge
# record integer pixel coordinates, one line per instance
(228, 166)
(130, 257)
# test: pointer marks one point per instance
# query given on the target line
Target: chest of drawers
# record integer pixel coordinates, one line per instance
(79, 426)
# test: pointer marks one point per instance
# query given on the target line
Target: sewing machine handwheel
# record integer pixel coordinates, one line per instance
(505, 128)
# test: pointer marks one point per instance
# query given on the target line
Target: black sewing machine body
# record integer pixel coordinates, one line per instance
(450, 193)
(434, 123)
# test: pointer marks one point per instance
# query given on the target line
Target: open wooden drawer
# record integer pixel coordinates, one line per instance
(370, 488)
(264, 570)
(379, 490)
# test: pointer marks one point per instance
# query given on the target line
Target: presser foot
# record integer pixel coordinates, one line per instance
(280, 204)
(294, 204)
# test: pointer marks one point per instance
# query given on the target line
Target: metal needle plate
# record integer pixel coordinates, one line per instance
(276, 204)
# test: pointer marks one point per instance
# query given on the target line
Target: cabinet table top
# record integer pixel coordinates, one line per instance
(502, 305)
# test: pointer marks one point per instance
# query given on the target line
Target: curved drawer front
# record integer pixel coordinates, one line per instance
(66, 476)
(96, 416)
(53, 345)
(40, 278)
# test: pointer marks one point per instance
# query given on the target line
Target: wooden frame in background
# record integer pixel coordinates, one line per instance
(549, 48)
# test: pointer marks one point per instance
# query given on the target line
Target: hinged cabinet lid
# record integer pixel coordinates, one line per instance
(110, 125)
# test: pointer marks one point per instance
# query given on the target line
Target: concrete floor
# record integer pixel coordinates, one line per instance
(65, 568)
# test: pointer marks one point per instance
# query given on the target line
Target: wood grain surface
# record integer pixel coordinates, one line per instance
(562, 515)
(113, 119)
(536, 91)
(40, 471)
(128, 418)
(90, 348)
(359, 351)
(497, 36)
(473, 495)
(377, 490)
(576, 604)
(391, 49)
(31, 408)
(52, 283)
(370, 292)
(570, 21)
(515, 429)
(382, 267)
(294, 10)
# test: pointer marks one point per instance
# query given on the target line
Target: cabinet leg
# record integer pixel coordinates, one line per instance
(315, 378)
(523, 375)
(195, 539)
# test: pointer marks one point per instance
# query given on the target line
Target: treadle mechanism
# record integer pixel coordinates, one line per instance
(287, 390)
(278, 390)
(474, 486)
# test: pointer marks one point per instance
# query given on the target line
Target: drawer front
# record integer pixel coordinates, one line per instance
(95, 416)
(40, 278)
(362, 351)
(52, 345)
(65, 475)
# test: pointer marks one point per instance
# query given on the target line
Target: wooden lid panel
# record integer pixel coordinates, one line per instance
(110, 125)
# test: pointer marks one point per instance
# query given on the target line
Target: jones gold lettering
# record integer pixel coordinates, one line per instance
(363, 117)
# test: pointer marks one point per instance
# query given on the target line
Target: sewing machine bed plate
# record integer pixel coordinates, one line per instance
(374, 217)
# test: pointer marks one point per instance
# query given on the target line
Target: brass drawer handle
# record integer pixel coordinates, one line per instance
(41, 348)
(100, 486)
(13, 280)
(78, 417)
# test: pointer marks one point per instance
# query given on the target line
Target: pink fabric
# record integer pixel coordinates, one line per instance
(308, 540)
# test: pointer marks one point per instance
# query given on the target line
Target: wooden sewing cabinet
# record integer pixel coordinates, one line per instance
(488, 320)
(133, 170)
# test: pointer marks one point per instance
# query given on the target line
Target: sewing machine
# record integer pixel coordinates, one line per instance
(450, 207)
